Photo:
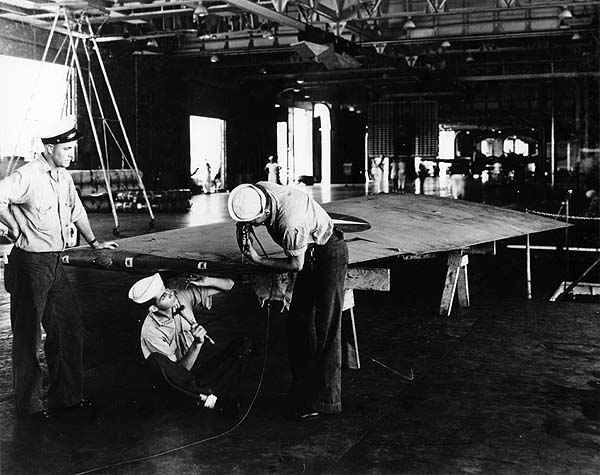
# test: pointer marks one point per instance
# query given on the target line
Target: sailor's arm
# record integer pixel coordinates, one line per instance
(281, 264)
(13, 189)
(190, 357)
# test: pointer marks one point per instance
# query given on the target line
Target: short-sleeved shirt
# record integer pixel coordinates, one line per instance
(297, 220)
(44, 202)
(170, 332)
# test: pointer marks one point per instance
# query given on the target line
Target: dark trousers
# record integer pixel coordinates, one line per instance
(314, 328)
(219, 375)
(40, 293)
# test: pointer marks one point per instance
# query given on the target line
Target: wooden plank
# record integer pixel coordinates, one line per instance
(360, 278)
(454, 260)
(462, 287)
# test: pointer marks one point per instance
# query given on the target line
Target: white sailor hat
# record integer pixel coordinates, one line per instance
(59, 131)
(147, 289)
(246, 203)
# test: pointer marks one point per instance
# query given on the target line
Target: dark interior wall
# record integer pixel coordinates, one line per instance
(347, 144)
(166, 92)
(528, 104)
(23, 41)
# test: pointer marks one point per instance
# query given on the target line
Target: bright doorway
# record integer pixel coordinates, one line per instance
(304, 144)
(207, 153)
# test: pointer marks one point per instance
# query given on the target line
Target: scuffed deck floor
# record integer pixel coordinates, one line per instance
(507, 386)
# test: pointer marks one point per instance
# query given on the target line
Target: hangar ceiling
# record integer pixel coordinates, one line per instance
(343, 41)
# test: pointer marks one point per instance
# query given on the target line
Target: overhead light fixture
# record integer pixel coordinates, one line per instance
(200, 10)
(152, 43)
(446, 44)
(277, 106)
(300, 81)
(469, 58)
(409, 24)
(214, 58)
(576, 36)
(565, 13)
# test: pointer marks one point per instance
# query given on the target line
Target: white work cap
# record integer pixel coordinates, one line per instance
(246, 203)
(147, 289)
(59, 131)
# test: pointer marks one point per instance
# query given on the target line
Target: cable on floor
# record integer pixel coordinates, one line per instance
(214, 437)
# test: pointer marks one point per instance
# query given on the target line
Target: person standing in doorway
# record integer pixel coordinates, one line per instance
(394, 174)
(272, 169)
(37, 204)
(318, 252)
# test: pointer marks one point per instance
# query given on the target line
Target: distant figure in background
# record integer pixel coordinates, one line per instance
(593, 210)
(376, 173)
(394, 174)
(459, 170)
(272, 168)
(401, 175)
(217, 182)
(423, 173)
(38, 202)
(347, 173)
(208, 182)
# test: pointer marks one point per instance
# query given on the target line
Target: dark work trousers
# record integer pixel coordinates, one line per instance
(40, 293)
(314, 328)
(219, 375)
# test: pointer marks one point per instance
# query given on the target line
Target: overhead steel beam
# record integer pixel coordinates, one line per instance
(522, 77)
(286, 20)
(39, 23)
(268, 13)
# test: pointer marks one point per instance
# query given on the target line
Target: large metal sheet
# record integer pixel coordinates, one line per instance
(401, 225)
(418, 224)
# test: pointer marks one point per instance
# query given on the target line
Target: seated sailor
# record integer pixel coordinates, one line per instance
(171, 340)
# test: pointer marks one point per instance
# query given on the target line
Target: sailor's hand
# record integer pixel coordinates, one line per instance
(13, 234)
(105, 245)
(199, 281)
(250, 253)
(199, 334)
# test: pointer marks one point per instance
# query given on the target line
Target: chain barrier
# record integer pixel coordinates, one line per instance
(561, 216)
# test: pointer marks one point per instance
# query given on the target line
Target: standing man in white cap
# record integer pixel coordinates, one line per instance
(171, 340)
(312, 246)
(37, 203)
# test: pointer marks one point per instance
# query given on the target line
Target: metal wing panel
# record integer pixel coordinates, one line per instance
(417, 224)
(401, 225)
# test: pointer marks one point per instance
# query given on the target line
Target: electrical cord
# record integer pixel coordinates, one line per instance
(217, 436)
(207, 439)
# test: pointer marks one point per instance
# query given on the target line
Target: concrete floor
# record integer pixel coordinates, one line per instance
(506, 386)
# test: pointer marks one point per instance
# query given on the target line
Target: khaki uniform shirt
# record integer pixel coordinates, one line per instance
(44, 202)
(297, 219)
(169, 332)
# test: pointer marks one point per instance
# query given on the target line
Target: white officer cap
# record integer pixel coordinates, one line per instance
(246, 203)
(147, 289)
(59, 131)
